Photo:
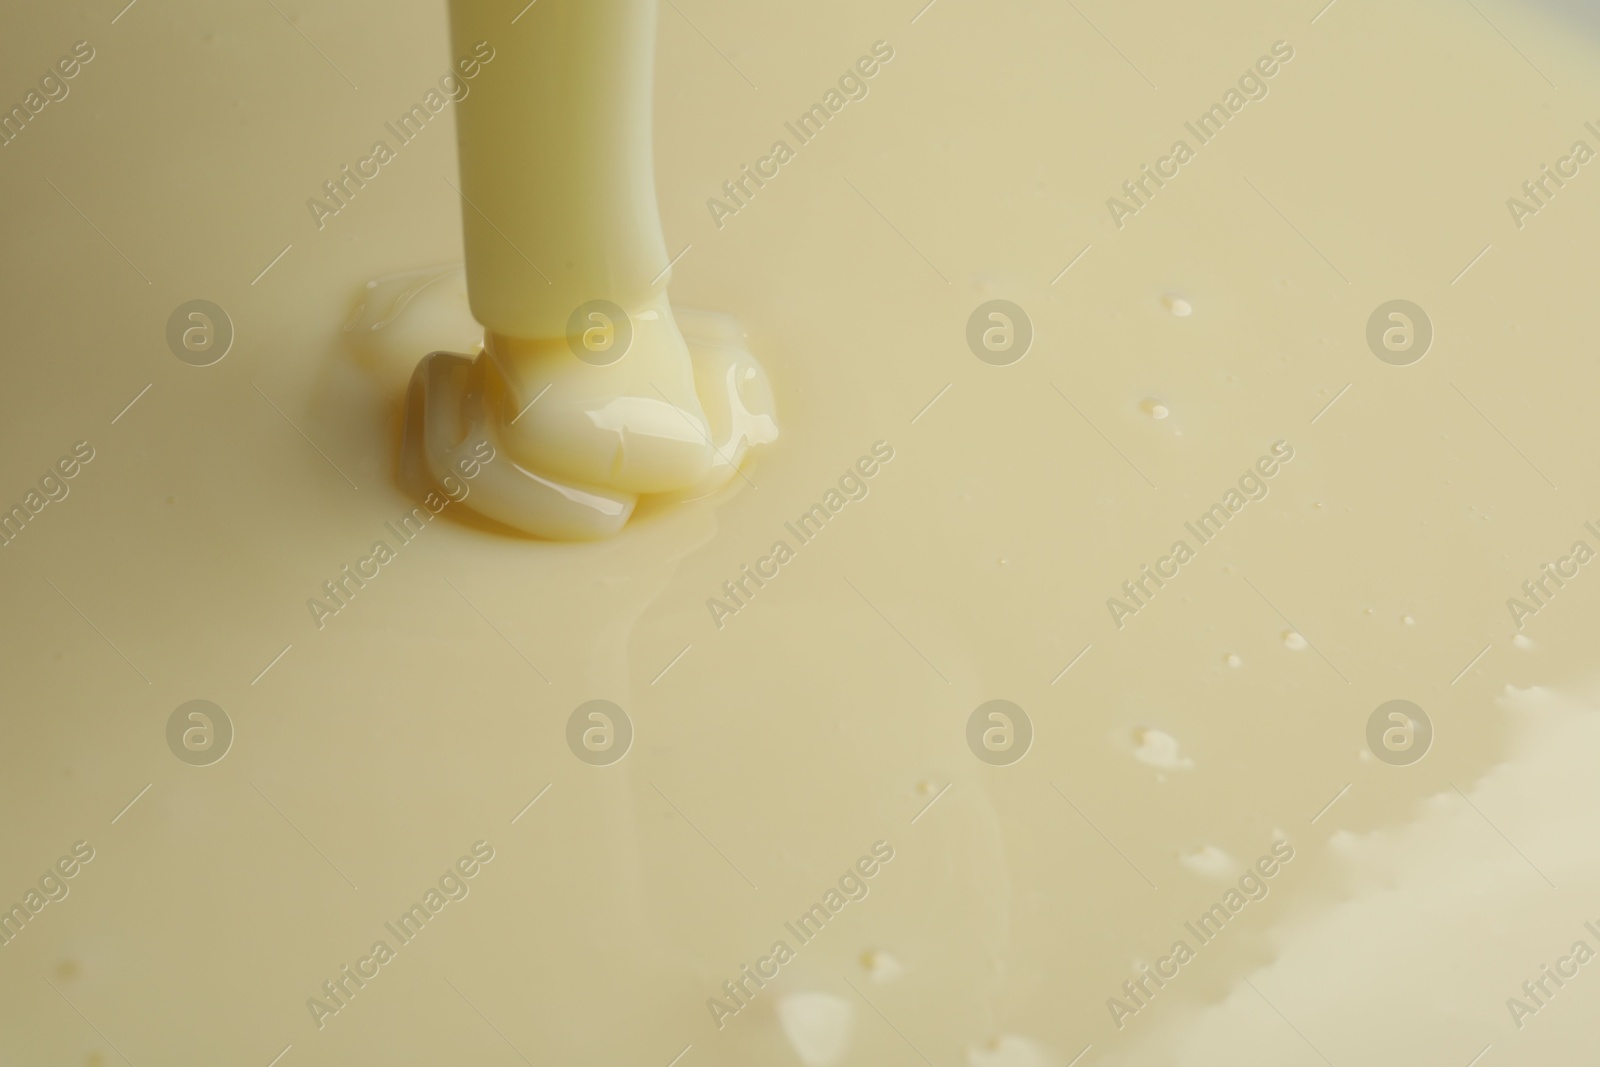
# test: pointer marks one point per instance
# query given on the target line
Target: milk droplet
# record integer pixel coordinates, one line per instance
(1408, 620)
(1232, 659)
(1210, 861)
(1522, 641)
(1009, 1051)
(1293, 641)
(880, 966)
(1155, 409)
(1178, 306)
(1158, 749)
(817, 1026)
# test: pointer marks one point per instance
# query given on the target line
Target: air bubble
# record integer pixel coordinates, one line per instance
(1160, 750)
(881, 966)
(817, 1025)
(1209, 861)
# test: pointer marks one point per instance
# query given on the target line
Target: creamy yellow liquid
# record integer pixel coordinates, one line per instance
(638, 399)
(380, 754)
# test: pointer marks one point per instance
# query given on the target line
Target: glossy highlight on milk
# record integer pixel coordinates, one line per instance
(675, 408)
